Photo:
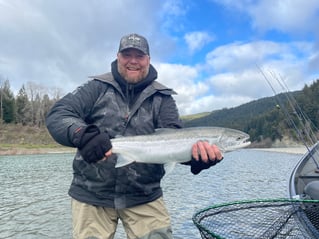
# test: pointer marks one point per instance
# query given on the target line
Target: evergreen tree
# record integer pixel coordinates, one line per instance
(23, 114)
(46, 104)
(7, 103)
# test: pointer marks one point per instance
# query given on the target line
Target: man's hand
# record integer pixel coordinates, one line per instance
(106, 155)
(202, 150)
(204, 156)
(93, 144)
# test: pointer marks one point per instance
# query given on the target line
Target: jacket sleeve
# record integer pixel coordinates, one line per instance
(72, 111)
(168, 114)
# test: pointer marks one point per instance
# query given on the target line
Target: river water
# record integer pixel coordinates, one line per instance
(34, 201)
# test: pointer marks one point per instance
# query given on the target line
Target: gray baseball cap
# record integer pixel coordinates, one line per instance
(134, 41)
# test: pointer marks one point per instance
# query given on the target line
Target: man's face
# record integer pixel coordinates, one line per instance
(133, 65)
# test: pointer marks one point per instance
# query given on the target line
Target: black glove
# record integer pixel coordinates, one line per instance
(198, 166)
(92, 143)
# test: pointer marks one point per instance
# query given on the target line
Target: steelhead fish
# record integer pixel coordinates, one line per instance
(171, 146)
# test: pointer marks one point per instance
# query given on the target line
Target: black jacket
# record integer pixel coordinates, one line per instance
(120, 109)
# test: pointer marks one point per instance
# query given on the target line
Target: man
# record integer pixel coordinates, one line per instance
(126, 101)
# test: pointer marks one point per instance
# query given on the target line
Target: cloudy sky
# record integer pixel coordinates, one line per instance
(209, 51)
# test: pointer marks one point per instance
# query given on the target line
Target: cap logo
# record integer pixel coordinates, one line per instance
(135, 39)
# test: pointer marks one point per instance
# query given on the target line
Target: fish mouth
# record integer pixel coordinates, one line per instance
(247, 142)
(244, 140)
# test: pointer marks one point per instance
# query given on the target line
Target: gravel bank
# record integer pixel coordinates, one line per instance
(289, 150)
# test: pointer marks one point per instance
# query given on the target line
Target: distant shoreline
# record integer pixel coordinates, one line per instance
(25, 151)
(288, 150)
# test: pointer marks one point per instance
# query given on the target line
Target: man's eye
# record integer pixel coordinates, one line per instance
(126, 54)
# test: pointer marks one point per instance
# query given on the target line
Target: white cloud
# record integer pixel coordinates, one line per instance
(289, 16)
(286, 15)
(182, 79)
(236, 56)
(55, 42)
(235, 76)
(171, 11)
(237, 60)
(196, 40)
(196, 96)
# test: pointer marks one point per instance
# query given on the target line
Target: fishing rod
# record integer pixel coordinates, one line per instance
(306, 134)
(302, 117)
(285, 110)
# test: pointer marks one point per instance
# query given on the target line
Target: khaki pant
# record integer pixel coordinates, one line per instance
(147, 221)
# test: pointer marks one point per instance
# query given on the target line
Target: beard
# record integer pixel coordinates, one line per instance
(133, 77)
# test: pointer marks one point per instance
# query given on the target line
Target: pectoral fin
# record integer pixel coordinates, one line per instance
(124, 159)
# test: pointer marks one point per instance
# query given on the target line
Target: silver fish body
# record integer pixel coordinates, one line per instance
(174, 145)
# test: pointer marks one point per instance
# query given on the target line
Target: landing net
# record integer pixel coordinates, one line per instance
(269, 218)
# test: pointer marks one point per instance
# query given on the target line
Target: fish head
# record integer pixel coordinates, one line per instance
(232, 139)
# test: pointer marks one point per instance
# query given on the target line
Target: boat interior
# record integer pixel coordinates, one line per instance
(312, 190)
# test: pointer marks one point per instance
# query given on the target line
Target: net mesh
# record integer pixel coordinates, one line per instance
(269, 218)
